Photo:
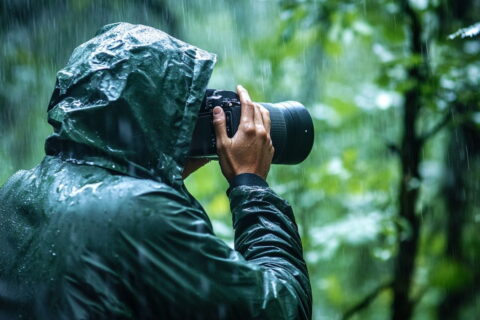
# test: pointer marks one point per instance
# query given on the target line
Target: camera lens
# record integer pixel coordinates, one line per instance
(291, 131)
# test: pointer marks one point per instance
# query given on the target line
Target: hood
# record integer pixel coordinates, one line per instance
(127, 100)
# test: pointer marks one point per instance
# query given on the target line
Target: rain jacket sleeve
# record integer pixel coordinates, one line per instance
(264, 278)
(266, 235)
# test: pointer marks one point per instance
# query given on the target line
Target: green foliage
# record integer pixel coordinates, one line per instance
(349, 62)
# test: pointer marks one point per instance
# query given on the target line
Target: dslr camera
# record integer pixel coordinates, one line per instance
(291, 130)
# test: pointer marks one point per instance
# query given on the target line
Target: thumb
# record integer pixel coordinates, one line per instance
(220, 126)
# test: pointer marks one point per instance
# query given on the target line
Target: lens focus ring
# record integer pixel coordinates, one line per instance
(278, 130)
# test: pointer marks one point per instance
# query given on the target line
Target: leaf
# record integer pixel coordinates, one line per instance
(450, 275)
(469, 32)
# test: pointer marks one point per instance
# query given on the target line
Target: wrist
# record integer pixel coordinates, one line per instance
(247, 179)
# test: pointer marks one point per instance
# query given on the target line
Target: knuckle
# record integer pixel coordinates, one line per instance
(220, 145)
(218, 121)
(249, 128)
(262, 133)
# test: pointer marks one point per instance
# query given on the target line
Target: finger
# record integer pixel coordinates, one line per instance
(220, 127)
(266, 117)
(247, 112)
(258, 119)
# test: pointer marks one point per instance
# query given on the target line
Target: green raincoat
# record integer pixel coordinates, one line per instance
(103, 227)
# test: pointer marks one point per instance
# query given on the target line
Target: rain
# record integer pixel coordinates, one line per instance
(388, 201)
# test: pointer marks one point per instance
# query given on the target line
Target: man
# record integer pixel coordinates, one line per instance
(104, 228)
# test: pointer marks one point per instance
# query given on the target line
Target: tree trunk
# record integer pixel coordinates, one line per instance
(402, 306)
(463, 158)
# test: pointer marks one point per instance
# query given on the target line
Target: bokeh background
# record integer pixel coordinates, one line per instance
(388, 203)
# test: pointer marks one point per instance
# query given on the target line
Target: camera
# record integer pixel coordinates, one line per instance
(292, 131)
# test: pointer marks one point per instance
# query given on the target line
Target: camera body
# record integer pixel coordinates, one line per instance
(204, 142)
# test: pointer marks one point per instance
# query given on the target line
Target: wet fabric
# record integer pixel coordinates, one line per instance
(104, 228)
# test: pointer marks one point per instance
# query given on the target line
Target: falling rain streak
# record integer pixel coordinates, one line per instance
(387, 204)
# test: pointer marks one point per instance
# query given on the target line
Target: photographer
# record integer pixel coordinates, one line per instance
(104, 228)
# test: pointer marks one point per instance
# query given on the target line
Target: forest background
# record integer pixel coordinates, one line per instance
(388, 202)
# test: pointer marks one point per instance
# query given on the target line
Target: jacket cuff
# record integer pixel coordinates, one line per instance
(247, 179)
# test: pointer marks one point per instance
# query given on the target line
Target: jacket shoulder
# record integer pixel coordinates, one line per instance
(118, 195)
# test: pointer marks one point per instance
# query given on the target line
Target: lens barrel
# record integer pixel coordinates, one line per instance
(291, 131)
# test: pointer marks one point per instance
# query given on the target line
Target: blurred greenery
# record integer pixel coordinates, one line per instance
(388, 203)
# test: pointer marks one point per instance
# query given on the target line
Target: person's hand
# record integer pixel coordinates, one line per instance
(250, 150)
(193, 165)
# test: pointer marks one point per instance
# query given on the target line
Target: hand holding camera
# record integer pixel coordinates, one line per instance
(290, 126)
(250, 150)
(242, 134)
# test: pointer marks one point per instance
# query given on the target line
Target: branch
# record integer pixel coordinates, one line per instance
(365, 302)
(436, 128)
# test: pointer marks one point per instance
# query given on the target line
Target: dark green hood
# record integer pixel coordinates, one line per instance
(127, 100)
